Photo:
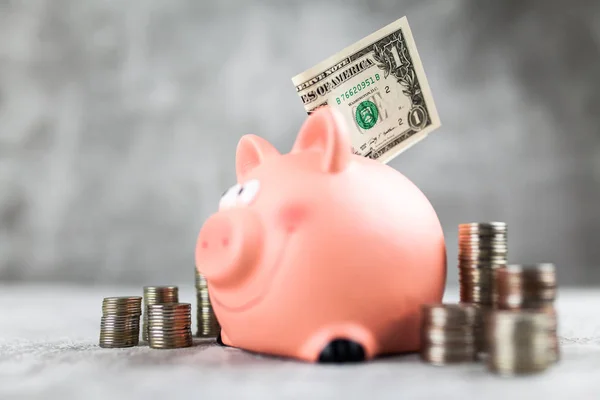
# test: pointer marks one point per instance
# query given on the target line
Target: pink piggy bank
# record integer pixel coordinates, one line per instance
(320, 254)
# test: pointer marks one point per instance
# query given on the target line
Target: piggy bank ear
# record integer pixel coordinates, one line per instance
(325, 131)
(251, 152)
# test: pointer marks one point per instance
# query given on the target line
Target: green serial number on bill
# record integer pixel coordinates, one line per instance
(359, 87)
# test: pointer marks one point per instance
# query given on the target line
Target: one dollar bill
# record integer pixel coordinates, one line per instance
(380, 87)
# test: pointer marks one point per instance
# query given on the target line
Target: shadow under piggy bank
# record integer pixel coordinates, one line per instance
(320, 254)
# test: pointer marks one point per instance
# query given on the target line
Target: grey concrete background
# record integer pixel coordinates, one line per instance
(119, 121)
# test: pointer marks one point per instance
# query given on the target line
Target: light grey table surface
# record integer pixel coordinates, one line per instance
(48, 350)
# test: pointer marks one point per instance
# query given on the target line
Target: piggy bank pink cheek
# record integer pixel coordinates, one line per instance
(291, 216)
(229, 245)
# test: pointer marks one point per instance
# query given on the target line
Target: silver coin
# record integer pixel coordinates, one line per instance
(443, 355)
(483, 226)
(459, 336)
(448, 314)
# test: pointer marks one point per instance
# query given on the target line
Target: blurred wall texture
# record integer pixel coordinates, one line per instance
(119, 121)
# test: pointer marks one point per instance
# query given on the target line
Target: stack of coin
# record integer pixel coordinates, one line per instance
(170, 325)
(529, 287)
(479, 327)
(120, 323)
(447, 333)
(157, 295)
(207, 323)
(482, 249)
(518, 342)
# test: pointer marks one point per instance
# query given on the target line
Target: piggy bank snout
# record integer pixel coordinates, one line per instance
(228, 246)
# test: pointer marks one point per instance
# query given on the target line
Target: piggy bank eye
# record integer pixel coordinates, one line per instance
(248, 192)
(228, 199)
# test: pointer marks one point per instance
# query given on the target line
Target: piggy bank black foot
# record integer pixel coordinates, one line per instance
(220, 341)
(342, 351)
